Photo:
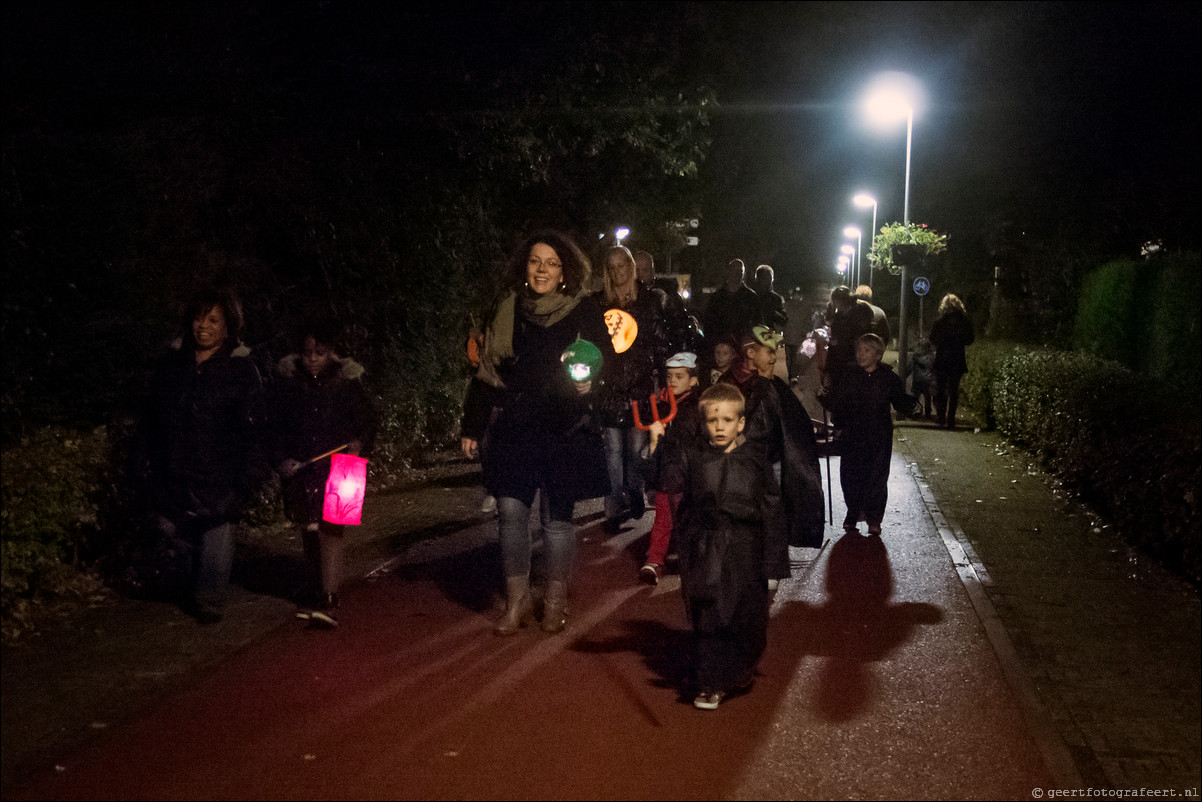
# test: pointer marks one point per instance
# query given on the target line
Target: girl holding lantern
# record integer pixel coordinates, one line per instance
(320, 407)
(533, 408)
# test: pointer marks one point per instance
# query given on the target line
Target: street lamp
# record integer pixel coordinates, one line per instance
(864, 200)
(850, 251)
(621, 234)
(894, 95)
(841, 266)
(852, 231)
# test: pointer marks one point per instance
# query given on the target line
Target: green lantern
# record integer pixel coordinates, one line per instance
(581, 360)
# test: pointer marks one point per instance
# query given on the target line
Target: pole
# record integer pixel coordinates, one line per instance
(902, 340)
(872, 245)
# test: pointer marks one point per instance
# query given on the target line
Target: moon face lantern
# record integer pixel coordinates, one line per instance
(623, 329)
(581, 360)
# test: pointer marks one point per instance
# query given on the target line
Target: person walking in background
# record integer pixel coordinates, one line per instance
(319, 405)
(772, 304)
(541, 429)
(730, 520)
(880, 321)
(796, 328)
(922, 376)
(863, 400)
(200, 443)
(678, 325)
(732, 309)
(629, 376)
(951, 333)
(847, 319)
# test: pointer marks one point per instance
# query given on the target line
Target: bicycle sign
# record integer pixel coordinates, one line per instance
(921, 286)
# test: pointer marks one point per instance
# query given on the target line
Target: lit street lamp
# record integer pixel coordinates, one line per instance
(864, 200)
(852, 231)
(850, 251)
(842, 265)
(893, 95)
(621, 234)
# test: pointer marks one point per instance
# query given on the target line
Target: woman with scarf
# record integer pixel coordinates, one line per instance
(535, 420)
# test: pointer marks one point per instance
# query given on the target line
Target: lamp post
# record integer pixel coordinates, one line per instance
(852, 231)
(841, 266)
(894, 95)
(864, 200)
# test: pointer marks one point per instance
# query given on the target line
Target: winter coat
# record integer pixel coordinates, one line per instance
(535, 430)
(200, 443)
(729, 314)
(312, 415)
(951, 334)
(631, 375)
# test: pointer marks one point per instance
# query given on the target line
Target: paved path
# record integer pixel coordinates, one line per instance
(961, 655)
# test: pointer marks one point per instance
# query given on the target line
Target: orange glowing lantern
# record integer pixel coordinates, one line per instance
(345, 489)
(623, 329)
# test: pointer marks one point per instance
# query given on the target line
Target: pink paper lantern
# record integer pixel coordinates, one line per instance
(345, 489)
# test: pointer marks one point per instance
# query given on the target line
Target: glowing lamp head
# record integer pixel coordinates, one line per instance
(345, 489)
(581, 360)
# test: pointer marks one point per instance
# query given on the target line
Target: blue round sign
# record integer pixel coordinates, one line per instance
(921, 286)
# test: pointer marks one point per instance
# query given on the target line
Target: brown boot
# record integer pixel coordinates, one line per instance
(555, 606)
(518, 606)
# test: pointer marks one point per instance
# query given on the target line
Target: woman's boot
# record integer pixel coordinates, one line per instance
(555, 606)
(518, 605)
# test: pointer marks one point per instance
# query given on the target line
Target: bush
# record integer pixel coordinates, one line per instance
(1127, 444)
(50, 488)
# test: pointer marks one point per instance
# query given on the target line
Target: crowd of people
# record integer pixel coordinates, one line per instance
(577, 392)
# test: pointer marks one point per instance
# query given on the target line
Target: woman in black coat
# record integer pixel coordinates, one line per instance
(534, 421)
(950, 334)
(199, 442)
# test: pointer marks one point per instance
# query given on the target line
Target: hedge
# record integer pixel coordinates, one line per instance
(1127, 444)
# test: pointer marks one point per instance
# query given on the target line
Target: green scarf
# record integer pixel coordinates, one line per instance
(544, 311)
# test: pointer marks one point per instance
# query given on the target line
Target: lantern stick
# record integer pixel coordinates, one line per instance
(328, 453)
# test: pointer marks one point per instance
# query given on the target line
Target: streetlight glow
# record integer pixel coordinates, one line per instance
(621, 234)
(892, 96)
(852, 231)
(864, 200)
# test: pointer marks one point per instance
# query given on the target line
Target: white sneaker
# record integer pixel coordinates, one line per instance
(489, 506)
(707, 700)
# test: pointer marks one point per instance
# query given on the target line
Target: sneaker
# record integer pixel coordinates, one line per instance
(851, 529)
(323, 619)
(650, 573)
(611, 526)
(708, 700)
(489, 506)
(874, 530)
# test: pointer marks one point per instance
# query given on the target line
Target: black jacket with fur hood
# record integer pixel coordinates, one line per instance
(314, 414)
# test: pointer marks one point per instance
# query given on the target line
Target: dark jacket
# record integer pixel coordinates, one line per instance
(536, 430)
(772, 310)
(200, 440)
(312, 415)
(631, 375)
(846, 326)
(951, 334)
(863, 400)
(729, 314)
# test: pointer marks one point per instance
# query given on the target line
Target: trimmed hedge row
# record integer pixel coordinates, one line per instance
(1127, 444)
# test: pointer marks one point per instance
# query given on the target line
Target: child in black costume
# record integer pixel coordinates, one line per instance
(730, 518)
(863, 398)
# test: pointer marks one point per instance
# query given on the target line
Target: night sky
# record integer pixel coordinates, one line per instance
(1039, 115)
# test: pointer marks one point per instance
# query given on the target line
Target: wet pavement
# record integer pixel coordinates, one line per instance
(993, 641)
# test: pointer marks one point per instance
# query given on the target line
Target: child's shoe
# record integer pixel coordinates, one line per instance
(708, 700)
(650, 573)
(323, 617)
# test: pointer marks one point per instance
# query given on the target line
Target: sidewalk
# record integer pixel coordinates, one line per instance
(1099, 649)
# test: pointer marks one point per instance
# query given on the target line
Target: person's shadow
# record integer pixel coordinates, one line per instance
(856, 625)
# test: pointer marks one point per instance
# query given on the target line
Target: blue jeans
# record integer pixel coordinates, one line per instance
(212, 545)
(559, 537)
(624, 462)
